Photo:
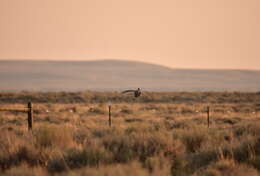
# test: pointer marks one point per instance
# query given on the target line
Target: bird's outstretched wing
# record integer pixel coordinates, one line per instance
(126, 91)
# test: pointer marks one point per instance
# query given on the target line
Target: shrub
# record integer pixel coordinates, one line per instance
(193, 139)
(134, 168)
(158, 165)
(25, 170)
(96, 110)
(226, 167)
(140, 146)
(57, 164)
(126, 111)
(89, 156)
(54, 136)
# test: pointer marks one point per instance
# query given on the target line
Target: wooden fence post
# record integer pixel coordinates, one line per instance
(109, 115)
(30, 116)
(208, 115)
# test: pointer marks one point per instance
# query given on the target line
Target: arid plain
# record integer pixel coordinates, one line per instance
(163, 133)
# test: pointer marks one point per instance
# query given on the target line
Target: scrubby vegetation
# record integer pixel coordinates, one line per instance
(155, 138)
(117, 97)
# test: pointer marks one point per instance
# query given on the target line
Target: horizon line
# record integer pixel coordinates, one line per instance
(125, 60)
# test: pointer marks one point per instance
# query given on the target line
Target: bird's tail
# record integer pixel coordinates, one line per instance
(126, 91)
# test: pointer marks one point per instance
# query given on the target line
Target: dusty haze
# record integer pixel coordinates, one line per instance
(176, 33)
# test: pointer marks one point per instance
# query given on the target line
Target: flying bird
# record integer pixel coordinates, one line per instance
(137, 92)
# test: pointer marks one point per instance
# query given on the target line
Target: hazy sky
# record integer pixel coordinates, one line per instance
(176, 33)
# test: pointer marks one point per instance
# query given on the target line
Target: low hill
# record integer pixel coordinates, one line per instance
(114, 75)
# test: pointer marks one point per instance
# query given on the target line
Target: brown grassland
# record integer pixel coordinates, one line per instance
(158, 134)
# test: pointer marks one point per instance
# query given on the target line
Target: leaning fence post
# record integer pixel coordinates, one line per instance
(208, 115)
(109, 115)
(30, 116)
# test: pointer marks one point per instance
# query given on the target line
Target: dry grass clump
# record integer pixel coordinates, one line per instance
(24, 169)
(228, 167)
(120, 148)
(138, 146)
(54, 136)
(78, 158)
(126, 111)
(193, 138)
(133, 168)
(96, 110)
(15, 150)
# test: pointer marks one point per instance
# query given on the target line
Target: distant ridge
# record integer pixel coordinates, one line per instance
(116, 75)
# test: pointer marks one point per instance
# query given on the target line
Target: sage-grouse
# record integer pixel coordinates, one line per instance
(137, 92)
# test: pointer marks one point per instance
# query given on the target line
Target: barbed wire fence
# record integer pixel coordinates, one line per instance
(208, 110)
